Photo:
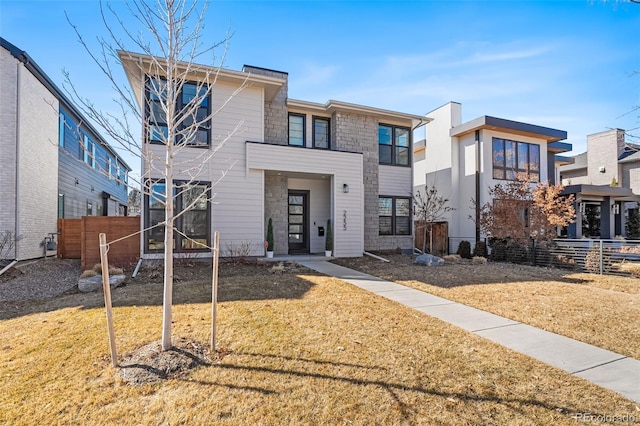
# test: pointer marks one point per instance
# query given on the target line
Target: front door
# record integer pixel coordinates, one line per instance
(298, 222)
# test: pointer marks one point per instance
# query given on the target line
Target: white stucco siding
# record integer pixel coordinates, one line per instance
(37, 155)
(344, 168)
(461, 226)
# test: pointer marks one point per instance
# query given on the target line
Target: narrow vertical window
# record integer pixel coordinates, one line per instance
(321, 127)
(61, 125)
(296, 130)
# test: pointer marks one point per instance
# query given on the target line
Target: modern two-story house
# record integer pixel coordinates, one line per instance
(53, 163)
(465, 159)
(605, 181)
(298, 163)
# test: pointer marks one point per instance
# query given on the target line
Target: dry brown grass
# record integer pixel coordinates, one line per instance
(601, 310)
(300, 349)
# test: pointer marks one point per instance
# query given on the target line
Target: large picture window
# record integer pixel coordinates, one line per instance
(192, 226)
(394, 145)
(511, 158)
(192, 114)
(296, 129)
(394, 214)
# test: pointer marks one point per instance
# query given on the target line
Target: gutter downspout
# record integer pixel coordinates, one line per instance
(478, 159)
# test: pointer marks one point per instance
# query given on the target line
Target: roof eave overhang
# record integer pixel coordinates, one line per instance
(514, 127)
(137, 65)
(414, 121)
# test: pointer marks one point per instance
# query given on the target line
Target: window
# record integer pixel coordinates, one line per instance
(89, 151)
(61, 131)
(61, 206)
(321, 128)
(192, 227)
(192, 112)
(296, 129)
(511, 158)
(393, 145)
(394, 215)
(89, 208)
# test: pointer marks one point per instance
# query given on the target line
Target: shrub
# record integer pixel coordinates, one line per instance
(498, 250)
(88, 273)
(270, 243)
(479, 260)
(328, 242)
(113, 270)
(452, 258)
(517, 253)
(592, 260)
(464, 249)
(480, 250)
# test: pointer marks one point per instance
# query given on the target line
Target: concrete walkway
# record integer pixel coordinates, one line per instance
(605, 368)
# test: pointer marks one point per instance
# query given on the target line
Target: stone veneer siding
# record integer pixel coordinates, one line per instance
(359, 133)
(276, 195)
(276, 115)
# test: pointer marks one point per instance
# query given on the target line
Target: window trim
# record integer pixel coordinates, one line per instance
(393, 216)
(394, 146)
(304, 129)
(315, 118)
(207, 126)
(179, 221)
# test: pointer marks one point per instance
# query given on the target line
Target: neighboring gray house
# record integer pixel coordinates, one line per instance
(465, 159)
(53, 164)
(606, 183)
(299, 163)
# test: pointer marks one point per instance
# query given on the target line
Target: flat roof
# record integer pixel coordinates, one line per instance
(615, 192)
(510, 126)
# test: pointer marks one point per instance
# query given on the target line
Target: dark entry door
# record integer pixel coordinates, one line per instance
(298, 222)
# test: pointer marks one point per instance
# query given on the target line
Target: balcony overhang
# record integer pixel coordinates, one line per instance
(599, 192)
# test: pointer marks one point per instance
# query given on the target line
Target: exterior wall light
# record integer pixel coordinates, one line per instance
(345, 188)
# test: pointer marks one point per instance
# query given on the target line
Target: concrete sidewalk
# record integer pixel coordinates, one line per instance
(605, 368)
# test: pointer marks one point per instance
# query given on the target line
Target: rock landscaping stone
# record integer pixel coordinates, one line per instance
(429, 260)
(91, 284)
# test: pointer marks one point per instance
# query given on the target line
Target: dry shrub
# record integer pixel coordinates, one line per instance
(113, 270)
(452, 258)
(631, 268)
(88, 273)
(479, 260)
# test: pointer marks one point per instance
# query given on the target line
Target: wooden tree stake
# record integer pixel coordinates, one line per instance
(106, 289)
(214, 288)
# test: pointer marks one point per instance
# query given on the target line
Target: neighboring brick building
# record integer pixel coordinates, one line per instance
(52, 162)
(298, 163)
(606, 183)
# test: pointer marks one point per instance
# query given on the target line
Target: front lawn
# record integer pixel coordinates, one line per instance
(294, 348)
(602, 310)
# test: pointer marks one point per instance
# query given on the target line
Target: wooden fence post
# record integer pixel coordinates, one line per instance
(214, 288)
(106, 289)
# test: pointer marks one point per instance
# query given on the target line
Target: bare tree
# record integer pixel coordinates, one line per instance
(170, 41)
(521, 210)
(429, 207)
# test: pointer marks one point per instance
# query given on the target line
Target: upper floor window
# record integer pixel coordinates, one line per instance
(393, 145)
(89, 151)
(511, 158)
(192, 112)
(321, 128)
(296, 129)
(394, 215)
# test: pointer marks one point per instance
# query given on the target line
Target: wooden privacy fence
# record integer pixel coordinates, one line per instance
(79, 239)
(440, 234)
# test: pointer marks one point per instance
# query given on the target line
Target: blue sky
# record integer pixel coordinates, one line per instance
(560, 64)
